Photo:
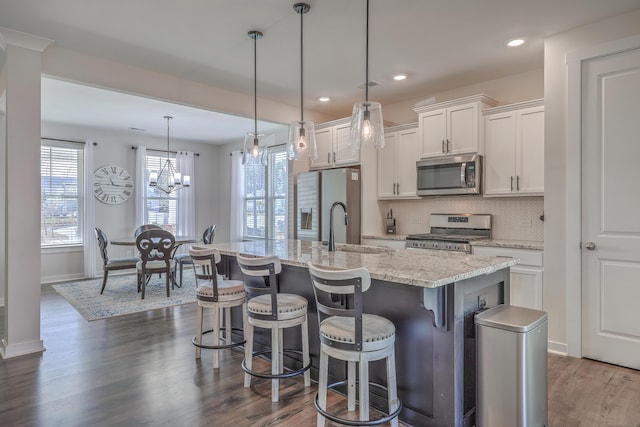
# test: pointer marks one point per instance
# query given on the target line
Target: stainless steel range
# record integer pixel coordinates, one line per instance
(452, 232)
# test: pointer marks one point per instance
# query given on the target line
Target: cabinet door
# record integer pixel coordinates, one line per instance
(432, 129)
(526, 287)
(530, 154)
(499, 164)
(462, 129)
(325, 151)
(343, 154)
(407, 153)
(387, 166)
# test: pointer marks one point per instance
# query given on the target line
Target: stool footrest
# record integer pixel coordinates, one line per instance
(347, 422)
(219, 347)
(272, 376)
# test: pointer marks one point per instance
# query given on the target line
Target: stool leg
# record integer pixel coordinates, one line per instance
(364, 389)
(392, 387)
(305, 351)
(248, 351)
(351, 386)
(275, 362)
(216, 335)
(199, 330)
(322, 385)
(227, 324)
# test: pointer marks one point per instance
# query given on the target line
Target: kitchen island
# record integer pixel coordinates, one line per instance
(430, 296)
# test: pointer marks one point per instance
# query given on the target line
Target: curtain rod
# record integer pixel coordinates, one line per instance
(68, 140)
(269, 146)
(133, 147)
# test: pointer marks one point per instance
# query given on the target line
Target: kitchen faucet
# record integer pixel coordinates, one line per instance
(332, 244)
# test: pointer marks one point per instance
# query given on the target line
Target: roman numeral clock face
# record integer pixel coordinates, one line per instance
(112, 185)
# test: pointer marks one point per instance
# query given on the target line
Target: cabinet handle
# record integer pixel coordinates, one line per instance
(328, 157)
(518, 183)
(394, 188)
(334, 157)
(512, 183)
(448, 143)
(398, 188)
(443, 146)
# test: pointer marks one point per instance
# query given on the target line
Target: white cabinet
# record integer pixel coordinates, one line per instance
(525, 278)
(397, 163)
(514, 161)
(452, 127)
(332, 140)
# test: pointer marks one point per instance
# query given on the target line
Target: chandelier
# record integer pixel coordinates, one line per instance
(168, 179)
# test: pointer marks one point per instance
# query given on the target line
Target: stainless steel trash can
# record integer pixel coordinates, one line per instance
(511, 371)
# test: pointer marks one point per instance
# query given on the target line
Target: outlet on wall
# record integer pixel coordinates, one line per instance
(482, 301)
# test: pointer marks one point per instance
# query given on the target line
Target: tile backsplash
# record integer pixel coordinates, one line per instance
(516, 218)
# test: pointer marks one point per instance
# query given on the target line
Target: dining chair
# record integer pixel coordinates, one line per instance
(155, 247)
(146, 227)
(182, 259)
(109, 264)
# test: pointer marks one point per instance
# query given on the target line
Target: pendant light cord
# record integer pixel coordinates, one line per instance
(301, 68)
(366, 83)
(255, 86)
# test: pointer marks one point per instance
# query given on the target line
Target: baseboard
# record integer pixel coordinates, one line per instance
(64, 278)
(14, 350)
(557, 348)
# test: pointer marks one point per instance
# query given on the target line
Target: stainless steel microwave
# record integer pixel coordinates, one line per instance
(449, 175)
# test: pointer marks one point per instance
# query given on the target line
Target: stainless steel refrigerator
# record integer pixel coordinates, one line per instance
(316, 192)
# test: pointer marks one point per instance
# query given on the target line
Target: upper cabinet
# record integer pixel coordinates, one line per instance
(452, 127)
(514, 161)
(332, 139)
(397, 163)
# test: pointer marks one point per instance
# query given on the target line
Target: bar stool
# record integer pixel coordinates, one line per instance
(349, 335)
(267, 308)
(220, 295)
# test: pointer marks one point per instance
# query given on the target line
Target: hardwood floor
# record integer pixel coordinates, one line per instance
(140, 369)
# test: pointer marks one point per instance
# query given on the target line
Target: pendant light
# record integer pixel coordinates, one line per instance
(302, 135)
(168, 179)
(253, 153)
(367, 128)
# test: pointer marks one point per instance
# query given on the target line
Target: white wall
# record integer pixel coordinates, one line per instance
(114, 148)
(560, 212)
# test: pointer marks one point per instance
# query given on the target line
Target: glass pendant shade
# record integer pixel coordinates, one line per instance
(367, 128)
(253, 153)
(302, 141)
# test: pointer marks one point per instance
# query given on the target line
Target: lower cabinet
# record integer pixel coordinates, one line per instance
(526, 277)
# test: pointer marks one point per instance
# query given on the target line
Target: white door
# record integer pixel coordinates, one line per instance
(611, 209)
(530, 159)
(500, 170)
(433, 133)
(462, 129)
(386, 166)
(325, 148)
(343, 154)
(407, 154)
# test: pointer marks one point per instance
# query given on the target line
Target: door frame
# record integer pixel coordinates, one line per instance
(573, 252)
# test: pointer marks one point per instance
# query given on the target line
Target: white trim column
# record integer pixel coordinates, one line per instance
(21, 213)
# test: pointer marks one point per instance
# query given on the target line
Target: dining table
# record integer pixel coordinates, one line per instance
(180, 240)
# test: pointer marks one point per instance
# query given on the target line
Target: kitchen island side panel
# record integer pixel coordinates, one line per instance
(435, 366)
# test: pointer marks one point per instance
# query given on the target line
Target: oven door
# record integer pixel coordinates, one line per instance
(449, 176)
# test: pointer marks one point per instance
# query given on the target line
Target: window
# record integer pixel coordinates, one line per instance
(62, 189)
(161, 207)
(265, 203)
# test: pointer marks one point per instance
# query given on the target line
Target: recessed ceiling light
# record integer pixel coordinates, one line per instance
(399, 77)
(518, 41)
(324, 99)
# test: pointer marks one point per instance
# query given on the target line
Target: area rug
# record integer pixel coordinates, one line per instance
(120, 296)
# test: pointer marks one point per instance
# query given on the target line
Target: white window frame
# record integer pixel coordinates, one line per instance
(153, 163)
(72, 191)
(267, 199)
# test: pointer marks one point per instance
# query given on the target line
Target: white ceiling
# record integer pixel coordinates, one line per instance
(440, 44)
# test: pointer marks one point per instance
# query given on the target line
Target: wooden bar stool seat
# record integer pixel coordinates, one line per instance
(219, 295)
(349, 335)
(267, 308)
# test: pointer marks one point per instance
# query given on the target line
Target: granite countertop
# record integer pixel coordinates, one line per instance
(386, 237)
(514, 244)
(424, 268)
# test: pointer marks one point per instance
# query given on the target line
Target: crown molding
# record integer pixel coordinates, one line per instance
(24, 40)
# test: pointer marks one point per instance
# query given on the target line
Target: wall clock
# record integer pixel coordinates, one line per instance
(112, 185)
